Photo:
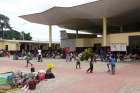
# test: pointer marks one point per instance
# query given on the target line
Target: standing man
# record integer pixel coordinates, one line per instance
(39, 55)
(67, 54)
(102, 54)
(68, 57)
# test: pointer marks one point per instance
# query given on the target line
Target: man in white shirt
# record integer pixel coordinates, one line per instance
(39, 55)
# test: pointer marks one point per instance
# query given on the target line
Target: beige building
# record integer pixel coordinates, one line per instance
(18, 45)
(86, 40)
(122, 38)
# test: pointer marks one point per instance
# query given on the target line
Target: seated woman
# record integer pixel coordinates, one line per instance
(41, 75)
(49, 74)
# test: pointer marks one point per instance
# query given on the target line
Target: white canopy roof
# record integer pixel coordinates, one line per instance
(89, 15)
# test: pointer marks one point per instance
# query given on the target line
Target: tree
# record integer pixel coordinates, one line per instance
(25, 36)
(6, 31)
(17, 35)
(4, 24)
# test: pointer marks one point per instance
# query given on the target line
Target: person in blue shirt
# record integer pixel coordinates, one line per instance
(113, 63)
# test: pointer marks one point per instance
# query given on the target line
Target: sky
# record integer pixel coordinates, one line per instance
(15, 8)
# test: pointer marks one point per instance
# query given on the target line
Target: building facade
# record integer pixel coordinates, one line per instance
(19, 45)
(127, 39)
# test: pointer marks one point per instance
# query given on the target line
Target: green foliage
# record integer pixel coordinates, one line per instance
(4, 22)
(16, 35)
(11, 35)
(86, 54)
(27, 36)
(6, 31)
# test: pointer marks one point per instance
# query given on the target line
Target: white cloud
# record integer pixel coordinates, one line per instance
(15, 8)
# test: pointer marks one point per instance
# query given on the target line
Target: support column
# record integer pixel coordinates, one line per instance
(104, 32)
(121, 28)
(77, 33)
(50, 36)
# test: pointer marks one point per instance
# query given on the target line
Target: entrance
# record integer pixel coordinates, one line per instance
(134, 44)
(6, 47)
(97, 47)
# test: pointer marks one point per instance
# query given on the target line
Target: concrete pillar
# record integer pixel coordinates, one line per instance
(104, 32)
(50, 36)
(77, 33)
(121, 28)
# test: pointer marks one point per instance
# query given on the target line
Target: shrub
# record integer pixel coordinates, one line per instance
(86, 54)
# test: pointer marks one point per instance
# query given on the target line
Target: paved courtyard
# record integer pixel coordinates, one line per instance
(71, 80)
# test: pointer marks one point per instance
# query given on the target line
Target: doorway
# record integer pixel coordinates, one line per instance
(6, 47)
(134, 44)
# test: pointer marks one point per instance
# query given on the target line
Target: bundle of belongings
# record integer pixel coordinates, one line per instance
(5, 80)
(29, 82)
(18, 80)
(26, 81)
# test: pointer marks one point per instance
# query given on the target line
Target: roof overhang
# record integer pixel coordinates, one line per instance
(88, 16)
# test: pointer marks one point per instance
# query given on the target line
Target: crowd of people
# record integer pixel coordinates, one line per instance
(111, 60)
(4, 53)
(70, 56)
(29, 80)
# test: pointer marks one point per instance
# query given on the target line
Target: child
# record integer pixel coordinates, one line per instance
(32, 69)
(78, 62)
(28, 58)
(109, 62)
(90, 69)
